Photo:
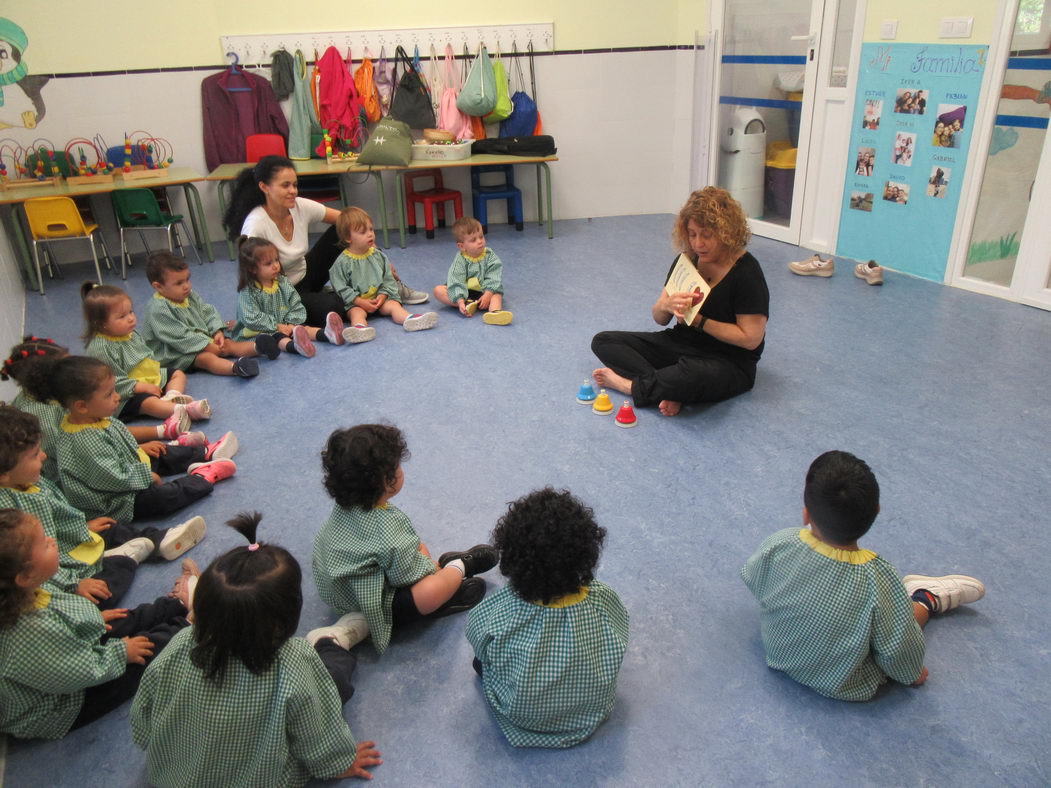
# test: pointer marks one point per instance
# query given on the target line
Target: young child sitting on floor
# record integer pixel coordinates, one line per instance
(548, 646)
(836, 617)
(475, 279)
(63, 662)
(97, 559)
(105, 473)
(143, 384)
(236, 699)
(269, 304)
(362, 278)
(368, 558)
(183, 331)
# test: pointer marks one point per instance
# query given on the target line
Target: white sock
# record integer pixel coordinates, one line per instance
(458, 564)
(160, 430)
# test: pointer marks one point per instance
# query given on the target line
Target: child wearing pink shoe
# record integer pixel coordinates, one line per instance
(144, 386)
(269, 304)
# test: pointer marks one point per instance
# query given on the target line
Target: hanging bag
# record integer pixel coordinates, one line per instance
(450, 118)
(411, 103)
(478, 94)
(384, 79)
(436, 85)
(503, 105)
(365, 81)
(303, 121)
(390, 144)
(522, 122)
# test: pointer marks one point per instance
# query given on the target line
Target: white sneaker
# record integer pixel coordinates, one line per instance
(178, 397)
(348, 631)
(356, 334)
(949, 591)
(421, 322)
(181, 538)
(871, 272)
(409, 296)
(815, 266)
(138, 549)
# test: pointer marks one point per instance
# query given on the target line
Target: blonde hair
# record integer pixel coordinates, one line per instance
(352, 218)
(464, 226)
(712, 208)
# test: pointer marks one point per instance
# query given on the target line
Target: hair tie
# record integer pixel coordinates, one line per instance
(40, 352)
(24, 353)
(253, 547)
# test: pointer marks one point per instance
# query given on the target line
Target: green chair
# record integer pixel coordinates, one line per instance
(138, 209)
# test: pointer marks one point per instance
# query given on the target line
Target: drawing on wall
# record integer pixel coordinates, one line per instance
(896, 192)
(873, 111)
(861, 201)
(21, 102)
(904, 146)
(938, 183)
(865, 162)
(911, 102)
(948, 128)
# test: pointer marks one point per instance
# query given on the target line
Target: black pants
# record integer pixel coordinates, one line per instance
(310, 288)
(119, 533)
(403, 608)
(667, 365)
(159, 500)
(340, 665)
(159, 621)
(117, 571)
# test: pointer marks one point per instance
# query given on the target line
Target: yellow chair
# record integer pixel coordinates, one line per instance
(57, 219)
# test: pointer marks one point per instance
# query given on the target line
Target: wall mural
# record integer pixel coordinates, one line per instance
(21, 101)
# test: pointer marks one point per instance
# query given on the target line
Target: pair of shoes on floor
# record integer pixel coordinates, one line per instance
(946, 592)
(407, 295)
(348, 631)
(222, 449)
(871, 272)
(213, 471)
(420, 321)
(813, 266)
(359, 333)
(334, 328)
(176, 541)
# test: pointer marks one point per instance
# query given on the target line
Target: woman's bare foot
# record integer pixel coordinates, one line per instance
(670, 407)
(609, 379)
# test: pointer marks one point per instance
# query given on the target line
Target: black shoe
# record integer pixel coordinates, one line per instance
(469, 594)
(266, 345)
(480, 558)
(246, 367)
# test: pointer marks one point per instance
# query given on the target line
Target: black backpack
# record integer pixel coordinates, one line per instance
(540, 145)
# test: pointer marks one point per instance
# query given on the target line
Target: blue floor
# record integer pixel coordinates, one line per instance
(943, 392)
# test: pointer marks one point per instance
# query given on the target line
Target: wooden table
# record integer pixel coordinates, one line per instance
(12, 198)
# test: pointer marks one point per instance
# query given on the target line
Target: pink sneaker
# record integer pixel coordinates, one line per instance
(214, 471)
(222, 449)
(176, 424)
(301, 342)
(191, 439)
(198, 410)
(334, 328)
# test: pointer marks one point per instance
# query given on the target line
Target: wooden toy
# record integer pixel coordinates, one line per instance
(96, 171)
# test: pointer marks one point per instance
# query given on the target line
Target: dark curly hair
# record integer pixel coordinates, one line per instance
(842, 496)
(18, 431)
(246, 192)
(549, 544)
(15, 541)
(246, 605)
(22, 365)
(361, 462)
(71, 378)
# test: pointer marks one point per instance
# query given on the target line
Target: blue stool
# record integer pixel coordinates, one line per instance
(480, 195)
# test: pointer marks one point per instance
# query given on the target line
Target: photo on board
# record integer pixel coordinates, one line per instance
(938, 183)
(873, 111)
(861, 201)
(896, 192)
(949, 125)
(911, 102)
(865, 161)
(904, 147)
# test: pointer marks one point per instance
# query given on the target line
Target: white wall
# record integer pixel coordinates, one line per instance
(12, 308)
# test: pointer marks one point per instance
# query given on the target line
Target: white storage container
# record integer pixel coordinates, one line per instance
(426, 151)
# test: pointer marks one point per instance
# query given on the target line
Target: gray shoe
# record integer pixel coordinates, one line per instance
(409, 296)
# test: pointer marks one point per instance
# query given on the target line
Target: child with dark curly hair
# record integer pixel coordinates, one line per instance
(548, 646)
(368, 559)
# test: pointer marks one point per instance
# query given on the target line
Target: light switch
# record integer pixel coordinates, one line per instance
(956, 27)
(889, 29)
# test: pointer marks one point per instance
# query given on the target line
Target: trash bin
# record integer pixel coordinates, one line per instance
(743, 150)
(780, 178)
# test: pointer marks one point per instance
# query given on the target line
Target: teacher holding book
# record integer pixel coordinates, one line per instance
(716, 294)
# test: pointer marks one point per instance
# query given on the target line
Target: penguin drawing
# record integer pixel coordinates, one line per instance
(21, 104)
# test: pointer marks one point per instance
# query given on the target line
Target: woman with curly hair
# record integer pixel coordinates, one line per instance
(548, 646)
(714, 358)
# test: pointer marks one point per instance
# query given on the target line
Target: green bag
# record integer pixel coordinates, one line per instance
(478, 94)
(390, 144)
(503, 106)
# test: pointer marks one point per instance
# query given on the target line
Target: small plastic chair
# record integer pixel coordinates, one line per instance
(321, 189)
(138, 209)
(433, 200)
(57, 219)
(482, 193)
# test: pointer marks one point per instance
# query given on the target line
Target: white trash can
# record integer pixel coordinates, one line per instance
(742, 159)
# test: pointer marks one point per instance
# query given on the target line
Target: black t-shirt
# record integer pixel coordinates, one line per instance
(742, 291)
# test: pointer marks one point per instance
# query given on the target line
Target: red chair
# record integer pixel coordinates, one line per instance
(432, 199)
(321, 189)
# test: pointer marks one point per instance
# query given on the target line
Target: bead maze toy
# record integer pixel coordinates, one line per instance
(20, 158)
(156, 154)
(98, 172)
(336, 151)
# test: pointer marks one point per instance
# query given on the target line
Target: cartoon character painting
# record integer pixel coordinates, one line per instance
(21, 105)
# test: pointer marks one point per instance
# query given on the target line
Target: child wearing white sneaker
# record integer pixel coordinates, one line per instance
(98, 558)
(236, 699)
(475, 278)
(144, 386)
(104, 473)
(269, 304)
(363, 279)
(836, 617)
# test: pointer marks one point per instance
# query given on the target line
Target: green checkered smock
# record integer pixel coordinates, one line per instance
(47, 660)
(131, 360)
(278, 728)
(361, 556)
(838, 621)
(50, 415)
(487, 270)
(367, 275)
(79, 549)
(101, 467)
(260, 309)
(177, 332)
(550, 672)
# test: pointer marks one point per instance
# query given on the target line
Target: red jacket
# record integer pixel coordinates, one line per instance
(340, 108)
(230, 116)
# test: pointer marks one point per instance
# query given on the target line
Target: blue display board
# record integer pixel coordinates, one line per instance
(913, 122)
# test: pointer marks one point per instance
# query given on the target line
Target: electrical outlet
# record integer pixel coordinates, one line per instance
(889, 29)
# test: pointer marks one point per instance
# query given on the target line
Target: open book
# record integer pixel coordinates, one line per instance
(685, 279)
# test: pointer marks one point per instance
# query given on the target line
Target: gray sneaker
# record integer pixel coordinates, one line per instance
(409, 296)
(813, 266)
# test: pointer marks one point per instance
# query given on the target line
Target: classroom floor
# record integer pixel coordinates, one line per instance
(943, 392)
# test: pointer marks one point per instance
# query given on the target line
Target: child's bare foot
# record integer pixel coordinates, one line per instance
(607, 378)
(670, 407)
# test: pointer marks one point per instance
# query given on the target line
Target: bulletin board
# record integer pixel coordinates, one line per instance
(912, 127)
